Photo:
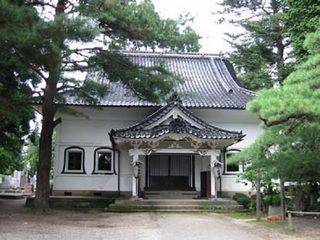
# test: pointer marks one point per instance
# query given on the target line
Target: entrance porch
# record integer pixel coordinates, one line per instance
(170, 148)
(176, 170)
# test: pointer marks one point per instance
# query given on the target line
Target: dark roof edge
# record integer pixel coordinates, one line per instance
(143, 106)
(235, 78)
(186, 111)
(172, 54)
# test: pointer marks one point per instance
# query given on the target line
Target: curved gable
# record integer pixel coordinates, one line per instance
(174, 122)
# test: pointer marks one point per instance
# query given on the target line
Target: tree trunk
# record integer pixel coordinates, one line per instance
(48, 122)
(283, 199)
(45, 154)
(45, 146)
(44, 165)
(258, 200)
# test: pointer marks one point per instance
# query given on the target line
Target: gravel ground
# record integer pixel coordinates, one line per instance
(18, 222)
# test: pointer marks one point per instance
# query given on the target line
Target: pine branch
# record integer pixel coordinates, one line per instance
(286, 119)
(56, 122)
(36, 70)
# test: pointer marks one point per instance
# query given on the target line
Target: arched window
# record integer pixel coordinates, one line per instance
(104, 161)
(231, 168)
(74, 160)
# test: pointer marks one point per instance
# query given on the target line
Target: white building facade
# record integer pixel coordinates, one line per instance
(130, 146)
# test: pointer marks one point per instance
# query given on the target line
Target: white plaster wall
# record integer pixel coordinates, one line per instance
(231, 183)
(72, 182)
(91, 132)
(235, 120)
(202, 164)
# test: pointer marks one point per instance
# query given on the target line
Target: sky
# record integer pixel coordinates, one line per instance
(205, 22)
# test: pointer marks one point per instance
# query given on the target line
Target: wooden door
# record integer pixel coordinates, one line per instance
(205, 182)
(169, 172)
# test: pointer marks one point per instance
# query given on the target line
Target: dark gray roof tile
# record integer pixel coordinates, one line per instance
(209, 82)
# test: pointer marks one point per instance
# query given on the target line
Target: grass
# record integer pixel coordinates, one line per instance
(267, 224)
(251, 217)
(242, 215)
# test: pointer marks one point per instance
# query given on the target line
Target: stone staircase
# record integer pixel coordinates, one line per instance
(153, 201)
(174, 205)
(170, 195)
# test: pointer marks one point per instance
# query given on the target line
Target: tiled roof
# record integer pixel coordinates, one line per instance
(209, 82)
(176, 126)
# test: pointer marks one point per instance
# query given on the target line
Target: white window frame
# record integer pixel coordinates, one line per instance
(97, 153)
(231, 152)
(67, 153)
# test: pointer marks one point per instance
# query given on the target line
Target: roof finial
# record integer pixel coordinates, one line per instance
(175, 98)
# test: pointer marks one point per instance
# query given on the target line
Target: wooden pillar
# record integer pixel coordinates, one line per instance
(213, 161)
(135, 159)
(213, 181)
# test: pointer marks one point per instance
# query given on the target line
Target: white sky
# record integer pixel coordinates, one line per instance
(205, 22)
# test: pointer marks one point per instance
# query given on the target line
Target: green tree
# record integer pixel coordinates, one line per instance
(308, 13)
(291, 116)
(289, 147)
(259, 51)
(31, 153)
(31, 156)
(16, 79)
(70, 37)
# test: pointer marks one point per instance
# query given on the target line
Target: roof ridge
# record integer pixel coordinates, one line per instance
(173, 54)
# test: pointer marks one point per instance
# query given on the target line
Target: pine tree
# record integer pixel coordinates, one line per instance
(16, 79)
(260, 50)
(289, 147)
(308, 13)
(69, 37)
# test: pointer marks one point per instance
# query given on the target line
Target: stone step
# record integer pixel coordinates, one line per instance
(170, 194)
(168, 205)
(204, 207)
(80, 202)
(198, 202)
(172, 210)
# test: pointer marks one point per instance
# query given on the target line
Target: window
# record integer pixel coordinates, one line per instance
(73, 160)
(231, 168)
(103, 161)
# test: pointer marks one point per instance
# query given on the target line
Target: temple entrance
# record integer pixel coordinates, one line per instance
(169, 172)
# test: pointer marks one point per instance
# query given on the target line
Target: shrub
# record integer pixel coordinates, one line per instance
(242, 199)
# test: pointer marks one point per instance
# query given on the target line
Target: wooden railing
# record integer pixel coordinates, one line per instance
(298, 212)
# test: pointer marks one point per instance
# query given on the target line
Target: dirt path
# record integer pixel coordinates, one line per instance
(17, 222)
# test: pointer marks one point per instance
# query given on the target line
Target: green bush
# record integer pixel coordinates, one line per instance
(271, 194)
(242, 199)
